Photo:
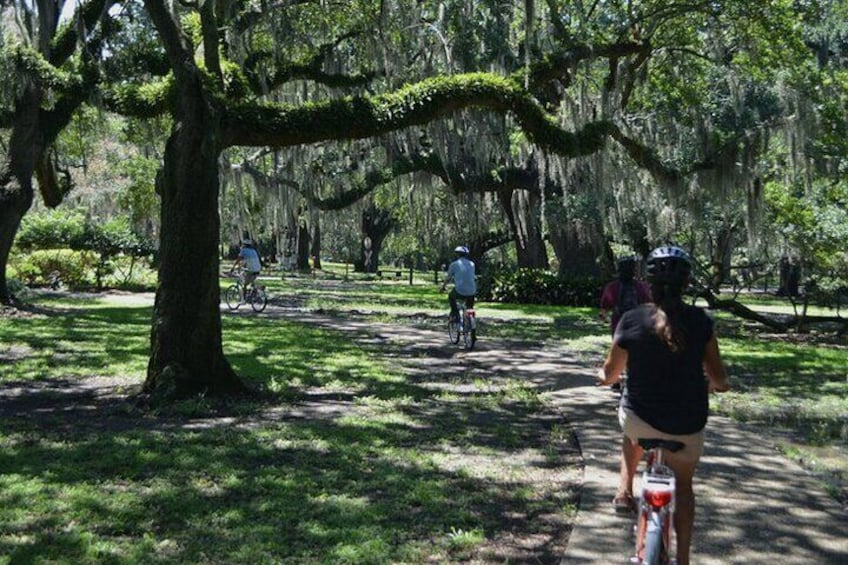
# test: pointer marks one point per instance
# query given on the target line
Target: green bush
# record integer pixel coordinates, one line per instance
(52, 229)
(537, 286)
(34, 268)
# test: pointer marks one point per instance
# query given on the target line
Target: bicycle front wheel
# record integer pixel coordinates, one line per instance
(258, 299)
(653, 540)
(233, 297)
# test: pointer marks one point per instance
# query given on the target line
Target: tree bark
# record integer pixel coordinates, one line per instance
(26, 145)
(376, 225)
(316, 242)
(186, 352)
(580, 251)
(303, 239)
(187, 356)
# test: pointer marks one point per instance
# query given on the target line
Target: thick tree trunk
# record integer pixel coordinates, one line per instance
(186, 356)
(16, 191)
(376, 225)
(581, 251)
(303, 238)
(524, 214)
(316, 242)
(15, 200)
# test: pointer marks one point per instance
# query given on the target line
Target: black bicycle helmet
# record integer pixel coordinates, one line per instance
(626, 267)
(669, 265)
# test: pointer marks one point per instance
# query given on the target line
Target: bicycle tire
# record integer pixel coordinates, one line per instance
(258, 299)
(654, 545)
(453, 331)
(233, 297)
(467, 340)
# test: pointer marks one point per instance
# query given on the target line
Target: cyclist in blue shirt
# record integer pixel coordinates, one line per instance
(462, 273)
(250, 257)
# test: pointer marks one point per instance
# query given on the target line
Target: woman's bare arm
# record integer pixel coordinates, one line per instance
(613, 366)
(714, 367)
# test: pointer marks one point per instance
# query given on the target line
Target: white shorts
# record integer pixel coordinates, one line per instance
(635, 428)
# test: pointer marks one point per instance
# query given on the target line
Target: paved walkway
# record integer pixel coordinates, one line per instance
(753, 505)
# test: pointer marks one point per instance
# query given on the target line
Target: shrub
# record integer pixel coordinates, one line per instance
(34, 268)
(537, 286)
(52, 229)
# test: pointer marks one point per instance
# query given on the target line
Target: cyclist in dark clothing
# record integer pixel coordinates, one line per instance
(672, 359)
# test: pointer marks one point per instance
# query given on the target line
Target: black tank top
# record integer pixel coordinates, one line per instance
(667, 389)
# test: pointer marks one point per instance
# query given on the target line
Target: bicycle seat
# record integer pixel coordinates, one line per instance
(669, 444)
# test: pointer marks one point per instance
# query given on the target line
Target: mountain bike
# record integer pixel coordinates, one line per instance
(654, 519)
(253, 294)
(464, 326)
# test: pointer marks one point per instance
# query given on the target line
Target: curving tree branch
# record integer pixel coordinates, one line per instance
(285, 125)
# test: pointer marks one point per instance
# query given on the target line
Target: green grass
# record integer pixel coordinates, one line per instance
(402, 473)
(346, 459)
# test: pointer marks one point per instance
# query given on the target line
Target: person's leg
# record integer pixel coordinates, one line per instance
(469, 301)
(631, 454)
(454, 311)
(684, 512)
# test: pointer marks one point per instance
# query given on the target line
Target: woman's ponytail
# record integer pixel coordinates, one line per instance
(668, 323)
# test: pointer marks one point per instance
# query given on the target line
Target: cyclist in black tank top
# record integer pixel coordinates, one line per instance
(666, 388)
(666, 347)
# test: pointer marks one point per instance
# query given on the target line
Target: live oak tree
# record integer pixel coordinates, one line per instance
(228, 65)
(209, 116)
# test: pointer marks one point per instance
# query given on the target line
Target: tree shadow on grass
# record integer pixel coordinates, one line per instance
(364, 464)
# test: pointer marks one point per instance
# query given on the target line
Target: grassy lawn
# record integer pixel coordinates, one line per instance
(344, 458)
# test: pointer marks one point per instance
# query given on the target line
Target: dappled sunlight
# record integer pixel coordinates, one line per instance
(377, 437)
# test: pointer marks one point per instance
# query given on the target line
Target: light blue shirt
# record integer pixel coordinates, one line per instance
(462, 272)
(251, 259)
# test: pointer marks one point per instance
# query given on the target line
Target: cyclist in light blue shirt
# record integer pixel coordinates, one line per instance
(462, 273)
(252, 265)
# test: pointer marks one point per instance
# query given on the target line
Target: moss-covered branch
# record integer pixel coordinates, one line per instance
(141, 101)
(558, 66)
(363, 117)
(312, 69)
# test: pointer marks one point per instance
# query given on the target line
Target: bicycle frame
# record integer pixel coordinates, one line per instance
(654, 522)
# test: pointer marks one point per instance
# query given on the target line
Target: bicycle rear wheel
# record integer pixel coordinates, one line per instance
(467, 333)
(233, 297)
(453, 331)
(258, 299)
(654, 545)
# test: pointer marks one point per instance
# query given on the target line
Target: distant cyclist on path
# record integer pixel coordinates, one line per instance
(666, 347)
(623, 294)
(463, 274)
(252, 264)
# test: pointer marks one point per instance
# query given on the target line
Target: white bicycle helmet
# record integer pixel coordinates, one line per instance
(461, 249)
(669, 265)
